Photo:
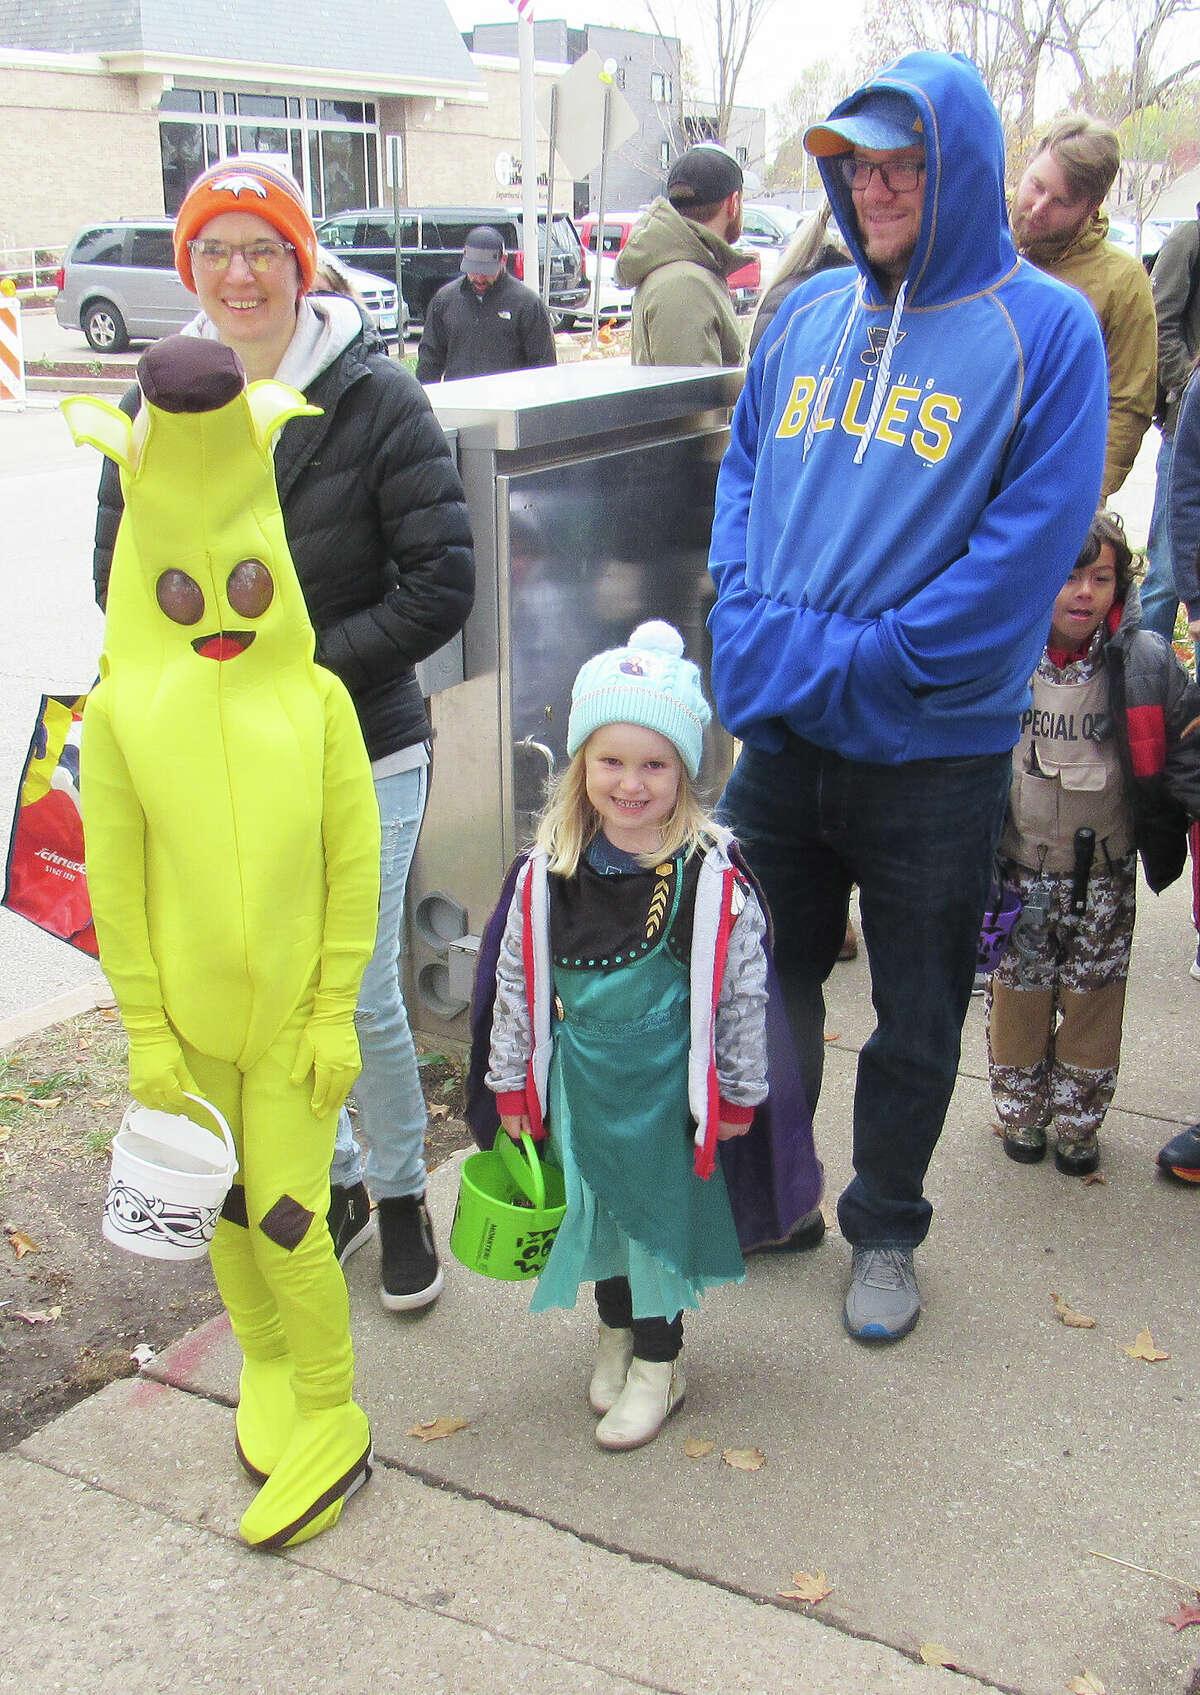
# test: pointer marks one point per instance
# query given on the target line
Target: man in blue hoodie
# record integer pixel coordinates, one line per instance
(913, 465)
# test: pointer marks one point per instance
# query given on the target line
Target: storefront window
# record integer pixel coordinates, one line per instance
(332, 145)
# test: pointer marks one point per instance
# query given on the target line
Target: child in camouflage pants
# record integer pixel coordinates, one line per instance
(1107, 748)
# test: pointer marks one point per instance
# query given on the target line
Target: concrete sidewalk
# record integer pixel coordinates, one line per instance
(955, 1489)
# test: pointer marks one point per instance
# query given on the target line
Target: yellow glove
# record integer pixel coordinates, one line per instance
(329, 1049)
(158, 1073)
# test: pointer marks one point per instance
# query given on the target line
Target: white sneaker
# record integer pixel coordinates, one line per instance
(653, 1389)
(614, 1351)
(1194, 967)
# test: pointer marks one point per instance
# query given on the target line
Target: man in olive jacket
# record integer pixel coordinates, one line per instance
(1058, 226)
(678, 257)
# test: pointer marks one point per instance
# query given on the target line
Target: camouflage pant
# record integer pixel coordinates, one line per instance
(1054, 1020)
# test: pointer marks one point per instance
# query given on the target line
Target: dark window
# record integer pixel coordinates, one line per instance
(229, 103)
(376, 232)
(342, 111)
(262, 105)
(310, 109)
(180, 100)
(210, 100)
(293, 107)
(152, 248)
(99, 247)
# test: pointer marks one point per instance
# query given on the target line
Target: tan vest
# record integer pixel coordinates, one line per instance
(1066, 776)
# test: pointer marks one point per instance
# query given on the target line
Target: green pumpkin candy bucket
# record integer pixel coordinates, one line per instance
(510, 1206)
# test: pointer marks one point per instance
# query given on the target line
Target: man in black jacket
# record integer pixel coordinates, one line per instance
(484, 322)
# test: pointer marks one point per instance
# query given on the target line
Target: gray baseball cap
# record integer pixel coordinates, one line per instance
(483, 255)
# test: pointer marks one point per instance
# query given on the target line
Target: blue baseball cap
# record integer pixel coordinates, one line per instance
(881, 120)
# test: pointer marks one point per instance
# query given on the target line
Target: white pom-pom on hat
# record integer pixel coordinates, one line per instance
(657, 636)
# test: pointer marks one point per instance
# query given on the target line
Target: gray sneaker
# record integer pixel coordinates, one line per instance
(883, 1302)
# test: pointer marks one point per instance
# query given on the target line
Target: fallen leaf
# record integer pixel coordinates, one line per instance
(20, 1244)
(102, 1103)
(109, 1014)
(48, 1102)
(1072, 1319)
(997, 1129)
(1086, 1684)
(5, 1133)
(437, 1109)
(1189, 1613)
(46, 1317)
(696, 1448)
(1095, 1177)
(1143, 1348)
(14, 1095)
(433, 1429)
(807, 1587)
(833, 1035)
(744, 1459)
(933, 1654)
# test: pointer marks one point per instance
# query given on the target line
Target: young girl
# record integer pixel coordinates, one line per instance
(1102, 769)
(629, 912)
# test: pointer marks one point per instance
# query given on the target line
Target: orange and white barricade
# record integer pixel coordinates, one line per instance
(12, 358)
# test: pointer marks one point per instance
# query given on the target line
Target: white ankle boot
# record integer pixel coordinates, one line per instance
(614, 1351)
(652, 1391)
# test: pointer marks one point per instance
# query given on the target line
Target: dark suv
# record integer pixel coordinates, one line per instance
(118, 284)
(432, 239)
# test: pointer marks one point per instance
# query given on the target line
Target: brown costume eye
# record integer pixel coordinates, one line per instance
(181, 597)
(250, 588)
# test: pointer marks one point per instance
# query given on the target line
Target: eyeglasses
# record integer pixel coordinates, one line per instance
(261, 256)
(900, 176)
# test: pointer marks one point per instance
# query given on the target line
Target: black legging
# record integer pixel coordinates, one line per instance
(657, 1339)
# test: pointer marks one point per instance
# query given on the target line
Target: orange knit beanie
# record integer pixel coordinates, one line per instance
(247, 185)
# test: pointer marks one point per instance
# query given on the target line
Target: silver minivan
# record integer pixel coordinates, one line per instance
(118, 284)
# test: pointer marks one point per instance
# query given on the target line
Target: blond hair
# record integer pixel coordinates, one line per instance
(1088, 153)
(569, 822)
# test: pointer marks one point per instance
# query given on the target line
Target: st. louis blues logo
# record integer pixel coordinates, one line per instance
(877, 335)
(236, 182)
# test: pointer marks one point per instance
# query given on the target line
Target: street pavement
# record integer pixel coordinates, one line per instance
(958, 1489)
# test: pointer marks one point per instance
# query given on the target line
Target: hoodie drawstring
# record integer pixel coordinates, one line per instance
(883, 373)
(855, 308)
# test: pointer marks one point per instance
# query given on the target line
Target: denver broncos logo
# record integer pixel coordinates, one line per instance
(236, 182)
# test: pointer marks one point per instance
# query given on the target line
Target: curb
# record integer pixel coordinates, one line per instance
(37, 1018)
(77, 385)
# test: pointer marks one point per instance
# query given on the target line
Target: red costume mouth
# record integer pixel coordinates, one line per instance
(224, 644)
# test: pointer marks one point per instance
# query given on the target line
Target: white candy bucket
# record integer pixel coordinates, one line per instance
(168, 1182)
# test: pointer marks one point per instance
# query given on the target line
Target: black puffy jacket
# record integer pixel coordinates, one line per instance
(377, 525)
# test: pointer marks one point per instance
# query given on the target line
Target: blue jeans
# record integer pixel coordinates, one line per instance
(1160, 598)
(919, 840)
(388, 1091)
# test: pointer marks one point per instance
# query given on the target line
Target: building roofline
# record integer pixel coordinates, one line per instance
(140, 63)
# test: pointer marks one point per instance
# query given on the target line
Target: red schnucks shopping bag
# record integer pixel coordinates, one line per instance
(45, 880)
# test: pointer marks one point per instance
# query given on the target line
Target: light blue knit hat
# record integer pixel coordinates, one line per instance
(647, 682)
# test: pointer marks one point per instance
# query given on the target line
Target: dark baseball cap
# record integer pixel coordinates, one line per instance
(483, 254)
(703, 175)
(881, 120)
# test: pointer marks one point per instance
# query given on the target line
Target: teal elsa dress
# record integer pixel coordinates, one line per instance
(619, 1121)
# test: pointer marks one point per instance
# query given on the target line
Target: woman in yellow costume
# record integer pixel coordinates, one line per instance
(232, 843)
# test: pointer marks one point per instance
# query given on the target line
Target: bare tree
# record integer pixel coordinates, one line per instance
(726, 30)
(811, 97)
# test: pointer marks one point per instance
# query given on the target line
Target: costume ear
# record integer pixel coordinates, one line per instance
(100, 424)
(271, 405)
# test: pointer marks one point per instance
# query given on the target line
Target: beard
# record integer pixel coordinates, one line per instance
(1045, 249)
